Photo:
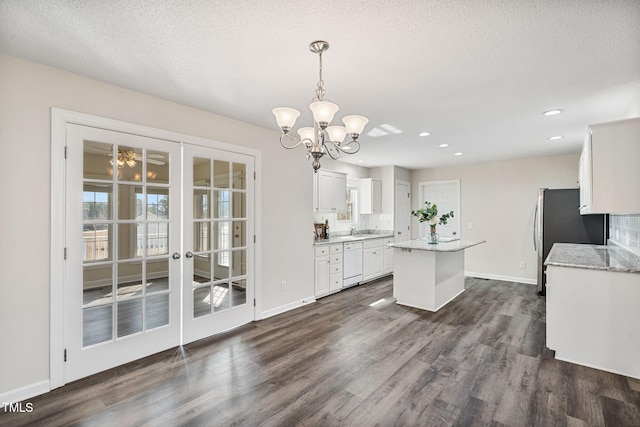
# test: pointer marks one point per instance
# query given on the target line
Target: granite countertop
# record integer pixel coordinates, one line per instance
(424, 245)
(593, 257)
(353, 238)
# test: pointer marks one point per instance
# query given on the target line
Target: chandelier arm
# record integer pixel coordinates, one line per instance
(352, 143)
(331, 149)
(287, 136)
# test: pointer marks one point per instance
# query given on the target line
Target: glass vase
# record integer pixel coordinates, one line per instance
(433, 236)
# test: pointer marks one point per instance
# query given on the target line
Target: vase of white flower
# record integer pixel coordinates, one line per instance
(430, 214)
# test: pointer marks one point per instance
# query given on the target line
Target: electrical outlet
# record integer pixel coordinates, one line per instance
(469, 226)
(283, 285)
(523, 264)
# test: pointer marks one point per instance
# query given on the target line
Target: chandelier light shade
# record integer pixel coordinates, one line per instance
(320, 139)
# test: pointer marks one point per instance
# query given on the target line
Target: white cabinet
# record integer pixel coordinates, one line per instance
(327, 265)
(608, 168)
(387, 257)
(370, 194)
(593, 318)
(330, 191)
(377, 258)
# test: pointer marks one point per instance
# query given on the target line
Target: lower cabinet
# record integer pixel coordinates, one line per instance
(377, 258)
(327, 266)
(593, 318)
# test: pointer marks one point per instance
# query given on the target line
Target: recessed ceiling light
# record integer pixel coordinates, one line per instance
(552, 112)
(424, 134)
(553, 138)
(443, 145)
(360, 161)
(457, 154)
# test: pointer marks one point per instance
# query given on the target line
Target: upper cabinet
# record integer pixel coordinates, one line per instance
(330, 191)
(370, 196)
(609, 168)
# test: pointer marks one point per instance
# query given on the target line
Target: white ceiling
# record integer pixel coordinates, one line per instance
(476, 74)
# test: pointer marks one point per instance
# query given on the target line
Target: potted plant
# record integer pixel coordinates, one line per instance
(430, 214)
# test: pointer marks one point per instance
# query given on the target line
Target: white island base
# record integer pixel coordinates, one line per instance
(428, 276)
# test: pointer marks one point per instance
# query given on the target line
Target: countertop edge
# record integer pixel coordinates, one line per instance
(421, 245)
(630, 261)
(357, 238)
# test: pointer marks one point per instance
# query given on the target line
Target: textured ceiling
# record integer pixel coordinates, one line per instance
(476, 74)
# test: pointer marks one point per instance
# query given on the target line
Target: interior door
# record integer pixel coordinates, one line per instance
(446, 195)
(122, 272)
(402, 212)
(219, 239)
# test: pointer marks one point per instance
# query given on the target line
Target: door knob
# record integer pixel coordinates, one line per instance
(175, 255)
(189, 254)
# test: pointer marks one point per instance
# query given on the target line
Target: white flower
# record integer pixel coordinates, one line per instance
(434, 220)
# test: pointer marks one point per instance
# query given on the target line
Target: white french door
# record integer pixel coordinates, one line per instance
(157, 246)
(218, 289)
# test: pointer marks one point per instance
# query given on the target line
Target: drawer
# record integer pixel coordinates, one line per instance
(373, 243)
(336, 258)
(336, 249)
(321, 250)
(335, 282)
(335, 269)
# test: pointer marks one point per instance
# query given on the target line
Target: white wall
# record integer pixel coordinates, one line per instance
(28, 91)
(499, 199)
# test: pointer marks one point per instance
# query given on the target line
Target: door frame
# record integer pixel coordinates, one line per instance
(59, 120)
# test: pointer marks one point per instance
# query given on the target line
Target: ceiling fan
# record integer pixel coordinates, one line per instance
(131, 158)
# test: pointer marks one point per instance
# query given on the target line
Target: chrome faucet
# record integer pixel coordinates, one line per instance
(353, 230)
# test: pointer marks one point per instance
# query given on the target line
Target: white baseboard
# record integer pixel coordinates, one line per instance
(24, 393)
(287, 307)
(504, 278)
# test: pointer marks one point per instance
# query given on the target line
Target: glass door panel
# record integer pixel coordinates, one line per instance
(122, 294)
(218, 230)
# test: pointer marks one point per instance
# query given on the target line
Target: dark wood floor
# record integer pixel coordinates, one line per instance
(481, 360)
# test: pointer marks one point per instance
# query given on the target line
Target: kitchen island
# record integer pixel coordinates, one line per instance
(427, 276)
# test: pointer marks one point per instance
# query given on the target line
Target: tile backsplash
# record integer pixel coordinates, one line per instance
(625, 231)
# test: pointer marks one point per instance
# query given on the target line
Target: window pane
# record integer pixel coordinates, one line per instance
(238, 292)
(130, 240)
(96, 202)
(222, 235)
(157, 275)
(239, 234)
(157, 167)
(221, 174)
(95, 160)
(157, 310)
(129, 279)
(157, 203)
(157, 238)
(221, 265)
(96, 239)
(97, 325)
(129, 202)
(201, 172)
(201, 268)
(221, 200)
(239, 262)
(239, 176)
(97, 284)
(129, 164)
(201, 239)
(201, 204)
(202, 301)
(239, 205)
(220, 297)
(129, 317)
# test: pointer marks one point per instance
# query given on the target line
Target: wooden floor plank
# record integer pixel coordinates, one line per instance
(479, 361)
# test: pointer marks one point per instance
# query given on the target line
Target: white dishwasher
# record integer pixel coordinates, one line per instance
(352, 263)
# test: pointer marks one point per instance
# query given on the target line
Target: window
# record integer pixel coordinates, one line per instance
(351, 214)
(224, 235)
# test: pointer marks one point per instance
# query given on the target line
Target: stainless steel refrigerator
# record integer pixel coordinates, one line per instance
(557, 219)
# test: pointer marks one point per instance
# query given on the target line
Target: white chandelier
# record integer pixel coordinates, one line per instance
(321, 139)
